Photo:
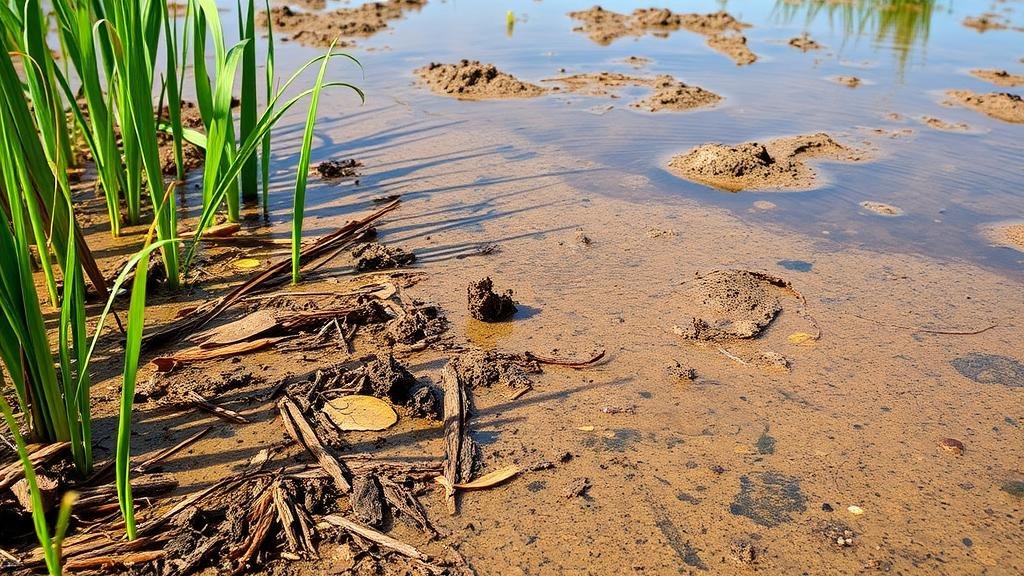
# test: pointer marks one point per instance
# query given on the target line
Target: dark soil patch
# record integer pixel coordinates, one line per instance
(990, 369)
(804, 43)
(348, 168)
(769, 498)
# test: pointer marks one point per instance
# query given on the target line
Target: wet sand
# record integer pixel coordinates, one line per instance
(999, 105)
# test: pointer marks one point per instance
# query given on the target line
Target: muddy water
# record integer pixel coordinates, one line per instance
(748, 465)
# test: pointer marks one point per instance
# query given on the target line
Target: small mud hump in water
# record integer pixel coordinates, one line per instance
(488, 306)
(986, 22)
(990, 369)
(769, 498)
(471, 80)
(1000, 77)
(848, 81)
(778, 165)
(940, 124)
(881, 208)
(804, 43)
(722, 30)
(731, 304)
(999, 105)
(316, 28)
(667, 93)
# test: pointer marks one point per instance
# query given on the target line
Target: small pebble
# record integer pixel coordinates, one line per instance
(953, 446)
(855, 510)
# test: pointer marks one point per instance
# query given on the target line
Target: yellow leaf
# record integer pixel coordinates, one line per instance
(246, 263)
(489, 480)
(799, 338)
(357, 412)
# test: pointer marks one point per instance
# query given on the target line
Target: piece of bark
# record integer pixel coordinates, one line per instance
(297, 425)
(404, 502)
(286, 517)
(458, 448)
(197, 354)
(47, 488)
(111, 561)
(376, 537)
(245, 328)
(218, 411)
(367, 501)
(39, 454)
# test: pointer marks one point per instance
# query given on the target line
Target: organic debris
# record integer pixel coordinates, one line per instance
(487, 305)
(330, 169)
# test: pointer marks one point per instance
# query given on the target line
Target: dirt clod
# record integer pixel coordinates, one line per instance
(999, 105)
(940, 124)
(952, 446)
(367, 500)
(667, 93)
(487, 305)
(426, 323)
(486, 369)
(348, 168)
(376, 256)
(471, 80)
(387, 378)
(780, 164)
(578, 488)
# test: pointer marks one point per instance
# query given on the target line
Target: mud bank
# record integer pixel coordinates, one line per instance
(780, 164)
(667, 93)
(999, 105)
(1000, 77)
(723, 31)
(316, 28)
(472, 80)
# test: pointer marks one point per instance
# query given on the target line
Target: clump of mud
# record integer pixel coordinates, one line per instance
(999, 105)
(986, 22)
(424, 323)
(940, 124)
(348, 168)
(848, 81)
(471, 80)
(317, 28)
(778, 165)
(1000, 77)
(804, 43)
(487, 305)
(487, 369)
(731, 304)
(376, 256)
(881, 208)
(667, 93)
(721, 28)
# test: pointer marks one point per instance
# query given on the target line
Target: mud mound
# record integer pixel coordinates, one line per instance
(731, 304)
(1000, 77)
(986, 22)
(999, 105)
(940, 124)
(321, 28)
(722, 29)
(848, 81)
(667, 93)
(375, 256)
(881, 208)
(471, 80)
(348, 168)
(804, 43)
(777, 165)
(487, 305)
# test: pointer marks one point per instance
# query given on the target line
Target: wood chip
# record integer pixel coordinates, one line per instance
(299, 428)
(245, 328)
(376, 537)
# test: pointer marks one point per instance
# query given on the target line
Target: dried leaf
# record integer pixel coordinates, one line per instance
(246, 263)
(800, 338)
(249, 326)
(358, 412)
(489, 480)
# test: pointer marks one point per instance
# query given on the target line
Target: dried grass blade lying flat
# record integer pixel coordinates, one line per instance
(167, 452)
(168, 363)
(376, 537)
(199, 317)
(108, 562)
(299, 428)
(218, 411)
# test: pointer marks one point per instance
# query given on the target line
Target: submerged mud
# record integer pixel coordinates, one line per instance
(723, 31)
(999, 105)
(780, 164)
(731, 304)
(472, 80)
(667, 93)
(316, 28)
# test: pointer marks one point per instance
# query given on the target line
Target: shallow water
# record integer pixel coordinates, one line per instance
(687, 469)
(948, 195)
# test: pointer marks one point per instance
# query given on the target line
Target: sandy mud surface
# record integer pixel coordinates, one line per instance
(472, 80)
(1010, 235)
(999, 105)
(318, 28)
(779, 164)
(667, 93)
(723, 31)
(999, 77)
